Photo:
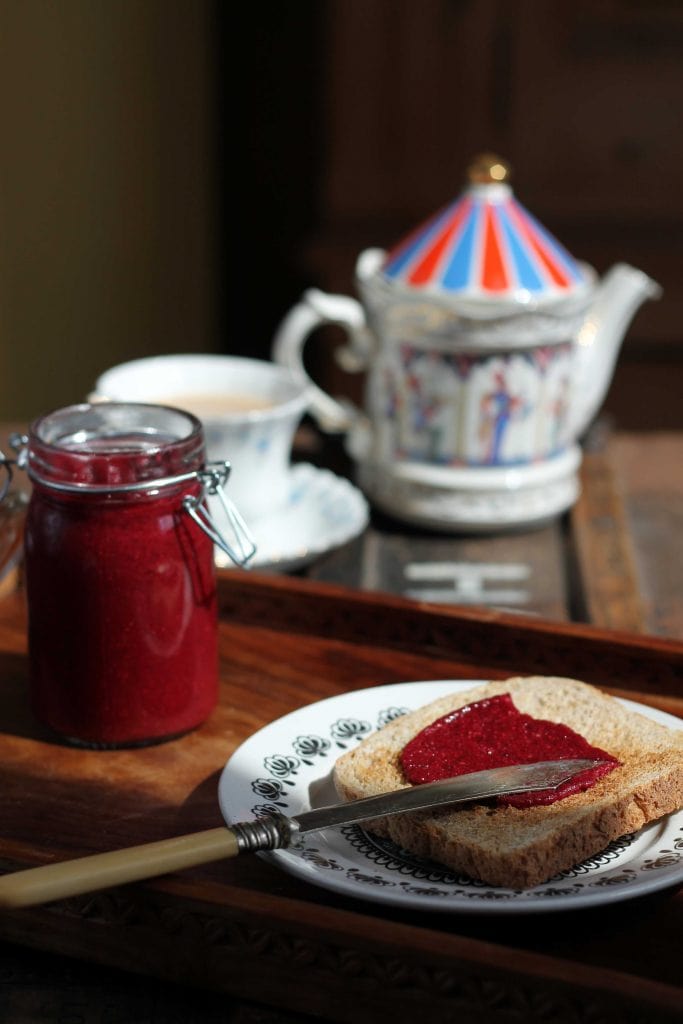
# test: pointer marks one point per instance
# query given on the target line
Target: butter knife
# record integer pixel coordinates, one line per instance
(102, 870)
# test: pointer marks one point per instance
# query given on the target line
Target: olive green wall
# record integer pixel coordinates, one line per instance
(106, 191)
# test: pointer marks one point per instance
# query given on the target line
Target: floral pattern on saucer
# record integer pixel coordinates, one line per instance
(322, 512)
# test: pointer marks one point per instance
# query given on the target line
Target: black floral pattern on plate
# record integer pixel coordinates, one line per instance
(308, 747)
(282, 766)
(415, 876)
(390, 715)
(346, 730)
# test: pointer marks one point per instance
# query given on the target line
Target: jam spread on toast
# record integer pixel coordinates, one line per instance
(492, 733)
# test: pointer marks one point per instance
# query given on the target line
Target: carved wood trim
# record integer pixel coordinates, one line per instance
(326, 972)
(482, 639)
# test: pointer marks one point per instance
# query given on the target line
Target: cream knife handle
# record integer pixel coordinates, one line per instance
(102, 870)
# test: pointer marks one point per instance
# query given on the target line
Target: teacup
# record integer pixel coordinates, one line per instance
(249, 408)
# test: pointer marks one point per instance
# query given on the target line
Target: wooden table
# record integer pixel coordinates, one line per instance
(244, 943)
(613, 561)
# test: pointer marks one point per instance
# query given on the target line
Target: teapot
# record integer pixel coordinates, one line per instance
(488, 349)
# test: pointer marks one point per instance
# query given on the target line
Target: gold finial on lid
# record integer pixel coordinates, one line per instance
(488, 169)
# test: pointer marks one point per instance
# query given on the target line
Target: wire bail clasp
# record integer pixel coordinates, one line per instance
(213, 478)
(19, 443)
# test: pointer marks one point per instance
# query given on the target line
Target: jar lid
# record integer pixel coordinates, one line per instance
(485, 246)
(113, 445)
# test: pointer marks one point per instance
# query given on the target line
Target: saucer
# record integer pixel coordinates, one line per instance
(322, 512)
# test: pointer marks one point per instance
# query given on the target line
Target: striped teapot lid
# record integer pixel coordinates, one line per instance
(485, 246)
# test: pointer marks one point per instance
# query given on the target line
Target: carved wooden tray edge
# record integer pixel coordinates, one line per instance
(478, 637)
(357, 967)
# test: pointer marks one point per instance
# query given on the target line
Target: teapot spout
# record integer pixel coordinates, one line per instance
(598, 341)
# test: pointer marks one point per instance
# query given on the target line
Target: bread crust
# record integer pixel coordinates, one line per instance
(521, 848)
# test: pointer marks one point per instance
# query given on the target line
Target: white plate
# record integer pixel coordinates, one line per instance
(286, 767)
(322, 512)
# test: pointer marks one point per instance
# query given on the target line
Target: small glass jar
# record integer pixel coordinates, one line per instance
(120, 575)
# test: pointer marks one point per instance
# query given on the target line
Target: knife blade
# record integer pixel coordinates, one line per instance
(520, 778)
(117, 867)
(277, 831)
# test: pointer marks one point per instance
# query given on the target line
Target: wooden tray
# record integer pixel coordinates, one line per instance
(246, 928)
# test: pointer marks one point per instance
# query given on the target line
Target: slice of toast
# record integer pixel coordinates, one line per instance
(519, 848)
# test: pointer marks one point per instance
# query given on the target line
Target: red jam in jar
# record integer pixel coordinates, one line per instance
(120, 579)
(493, 733)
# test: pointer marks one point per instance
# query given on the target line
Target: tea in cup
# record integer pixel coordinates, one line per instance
(249, 408)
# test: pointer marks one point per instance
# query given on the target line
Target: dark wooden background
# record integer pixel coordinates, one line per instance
(176, 172)
(583, 98)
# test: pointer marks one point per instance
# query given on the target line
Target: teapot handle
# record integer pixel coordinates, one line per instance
(316, 309)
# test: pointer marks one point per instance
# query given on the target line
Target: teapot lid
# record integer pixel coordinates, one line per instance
(485, 246)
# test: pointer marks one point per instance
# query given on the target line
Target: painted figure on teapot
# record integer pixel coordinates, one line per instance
(487, 348)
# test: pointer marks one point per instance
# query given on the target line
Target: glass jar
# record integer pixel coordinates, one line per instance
(119, 575)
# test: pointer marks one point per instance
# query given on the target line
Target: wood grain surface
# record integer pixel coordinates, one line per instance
(254, 933)
(613, 560)
(648, 469)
